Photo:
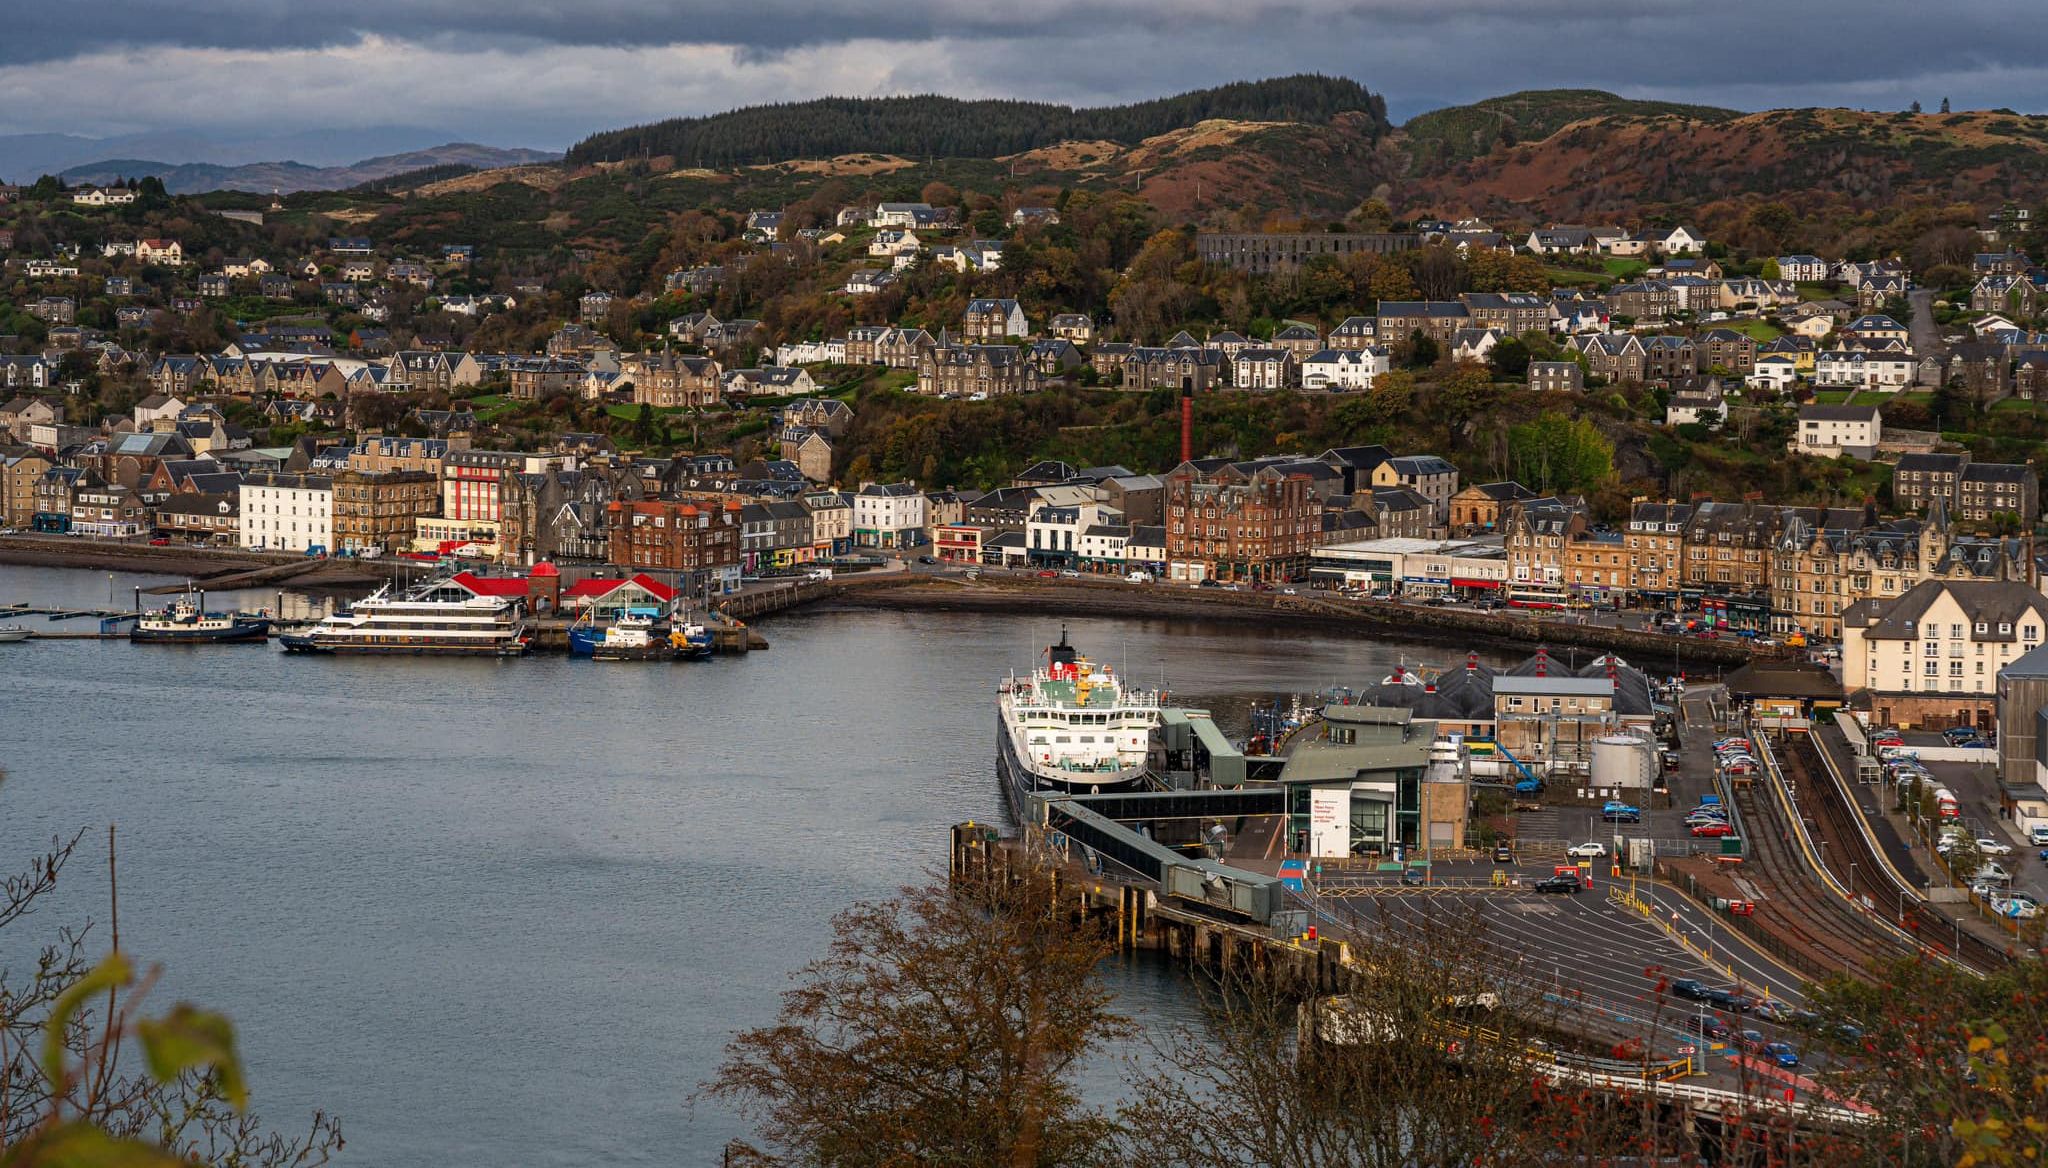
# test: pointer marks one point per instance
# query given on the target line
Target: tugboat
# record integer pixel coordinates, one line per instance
(186, 622)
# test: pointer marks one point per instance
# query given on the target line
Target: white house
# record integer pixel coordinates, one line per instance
(1775, 371)
(1864, 369)
(1832, 431)
(1342, 369)
(101, 197)
(287, 512)
(162, 252)
(894, 243)
(1690, 407)
(887, 515)
(1803, 268)
(1682, 241)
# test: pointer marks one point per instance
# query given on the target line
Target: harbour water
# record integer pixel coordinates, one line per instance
(508, 912)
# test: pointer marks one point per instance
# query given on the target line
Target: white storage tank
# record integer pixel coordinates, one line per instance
(1623, 762)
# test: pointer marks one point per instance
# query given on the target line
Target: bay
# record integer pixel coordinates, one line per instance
(509, 912)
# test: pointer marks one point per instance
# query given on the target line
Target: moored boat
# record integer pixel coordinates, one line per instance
(438, 618)
(1073, 726)
(12, 634)
(186, 622)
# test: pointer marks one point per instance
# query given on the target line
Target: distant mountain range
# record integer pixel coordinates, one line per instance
(196, 177)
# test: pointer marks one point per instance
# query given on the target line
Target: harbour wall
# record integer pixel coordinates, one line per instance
(1461, 628)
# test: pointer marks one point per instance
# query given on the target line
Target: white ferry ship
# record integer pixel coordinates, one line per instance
(439, 618)
(1073, 726)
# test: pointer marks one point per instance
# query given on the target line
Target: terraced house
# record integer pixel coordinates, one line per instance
(976, 372)
(1243, 521)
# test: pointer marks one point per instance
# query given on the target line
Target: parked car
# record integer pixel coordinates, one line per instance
(1592, 849)
(1503, 853)
(1049, 574)
(1690, 989)
(1993, 847)
(1781, 1053)
(1734, 1001)
(1568, 885)
(1413, 876)
(1957, 735)
(1712, 830)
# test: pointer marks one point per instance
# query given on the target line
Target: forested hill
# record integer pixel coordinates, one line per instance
(946, 127)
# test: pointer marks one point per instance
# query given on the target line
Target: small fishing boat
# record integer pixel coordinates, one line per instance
(9, 634)
(691, 641)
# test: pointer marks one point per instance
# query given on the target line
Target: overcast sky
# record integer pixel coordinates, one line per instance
(543, 73)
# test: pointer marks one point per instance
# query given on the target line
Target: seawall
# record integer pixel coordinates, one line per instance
(1460, 628)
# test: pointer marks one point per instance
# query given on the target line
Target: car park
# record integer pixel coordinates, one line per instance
(1592, 849)
(1568, 885)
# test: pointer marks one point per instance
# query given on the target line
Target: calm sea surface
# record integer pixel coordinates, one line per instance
(507, 913)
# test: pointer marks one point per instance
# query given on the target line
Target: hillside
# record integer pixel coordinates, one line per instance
(1446, 136)
(1620, 163)
(944, 127)
(263, 177)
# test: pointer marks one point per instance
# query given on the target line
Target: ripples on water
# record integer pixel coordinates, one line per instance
(509, 912)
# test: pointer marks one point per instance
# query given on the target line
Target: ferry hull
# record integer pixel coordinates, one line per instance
(294, 643)
(1020, 778)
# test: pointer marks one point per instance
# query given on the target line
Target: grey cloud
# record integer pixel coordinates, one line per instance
(535, 73)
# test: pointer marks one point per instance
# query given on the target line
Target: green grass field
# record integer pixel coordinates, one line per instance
(1623, 269)
(1758, 330)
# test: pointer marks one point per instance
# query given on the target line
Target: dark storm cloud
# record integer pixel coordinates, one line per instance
(537, 72)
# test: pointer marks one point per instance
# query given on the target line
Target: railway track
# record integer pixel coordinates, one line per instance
(1833, 820)
(1800, 909)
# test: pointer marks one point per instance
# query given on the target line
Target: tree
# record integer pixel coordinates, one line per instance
(1371, 215)
(1423, 350)
(1510, 359)
(1771, 270)
(1467, 392)
(1560, 453)
(1944, 105)
(1954, 1065)
(66, 1026)
(941, 1027)
(1915, 108)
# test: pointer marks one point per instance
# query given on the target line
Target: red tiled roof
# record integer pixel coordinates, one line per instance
(506, 586)
(595, 588)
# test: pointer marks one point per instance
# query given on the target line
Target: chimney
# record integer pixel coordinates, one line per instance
(1187, 419)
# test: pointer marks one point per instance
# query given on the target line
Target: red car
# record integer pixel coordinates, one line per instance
(160, 541)
(1048, 574)
(1711, 830)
